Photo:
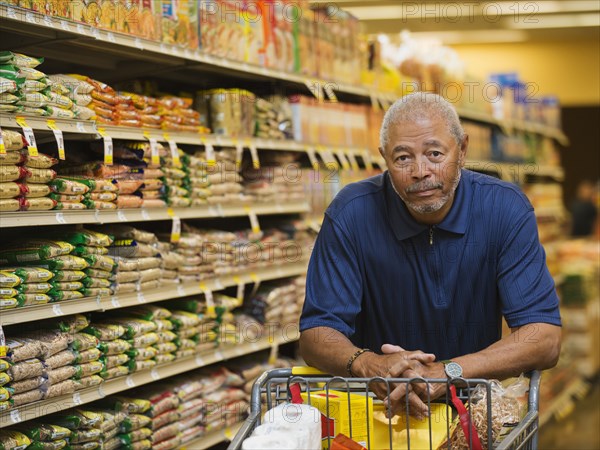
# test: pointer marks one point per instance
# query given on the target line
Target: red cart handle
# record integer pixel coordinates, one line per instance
(465, 419)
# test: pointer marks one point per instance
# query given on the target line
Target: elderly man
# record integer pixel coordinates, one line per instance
(414, 268)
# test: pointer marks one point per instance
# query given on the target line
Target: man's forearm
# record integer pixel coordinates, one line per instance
(326, 349)
(533, 346)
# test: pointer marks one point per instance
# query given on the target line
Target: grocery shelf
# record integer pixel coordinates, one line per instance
(23, 21)
(564, 403)
(515, 172)
(110, 387)
(70, 126)
(89, 216)
(213, 438)
(83, 305)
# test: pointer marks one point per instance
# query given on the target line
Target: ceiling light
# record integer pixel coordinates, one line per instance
(473, 36)
(556, 21)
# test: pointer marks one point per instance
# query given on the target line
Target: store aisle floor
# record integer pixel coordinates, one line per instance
(580, 430)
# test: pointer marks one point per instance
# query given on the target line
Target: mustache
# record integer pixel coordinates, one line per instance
(424, 186)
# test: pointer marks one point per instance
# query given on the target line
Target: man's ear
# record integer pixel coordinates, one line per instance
(382, 152)
(462, 152)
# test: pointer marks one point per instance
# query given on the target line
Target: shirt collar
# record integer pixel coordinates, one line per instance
(405, 226)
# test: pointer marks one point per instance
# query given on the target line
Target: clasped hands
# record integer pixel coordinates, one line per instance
(399, 363)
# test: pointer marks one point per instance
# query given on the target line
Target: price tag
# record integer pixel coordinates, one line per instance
(366, 156)
(130, 382)
(175, 50)
(115, 302)
(111, 37)
(316, 89)
(58, 135)
(239, 154)
(121, 216)
(141, 298)
(56, 309)
(187, 54)
(138, 44)
(314, 162)
(154, 151)
(97, 216)
(60, 218)
(48, 21)
(176, 230)
(145, 214)
(343, 160)
(65, 25)
(10, 13)
(274, 353)
(154, 374)
(210, 153)
(180, 290)
(29, 136)
(80, 127)
(29, 17)
(108, 147)
(254, 346)
(15, 416)
(374, 102)
(77, 398)
(254, 155)
(199, 361)
(353, 163)
(163, 48)
(80, 29)
(210, 301)
(219, 355)
(101, 392)
(253, 219)
(2, 146)
(213, 211)
(241, 287)
(174, 151)
(218, 284)
(330, 93)
(95, 33)
(254, 278)
(228, 433)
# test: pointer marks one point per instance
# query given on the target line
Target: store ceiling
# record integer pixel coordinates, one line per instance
(470, 22)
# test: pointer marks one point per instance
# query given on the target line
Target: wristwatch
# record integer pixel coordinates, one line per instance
(452, 369)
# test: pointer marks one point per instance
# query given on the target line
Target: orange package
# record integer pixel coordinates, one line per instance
(343, 442)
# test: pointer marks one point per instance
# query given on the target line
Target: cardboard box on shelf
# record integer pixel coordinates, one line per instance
(179, 23)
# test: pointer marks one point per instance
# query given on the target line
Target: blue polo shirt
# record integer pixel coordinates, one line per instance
(375, 276)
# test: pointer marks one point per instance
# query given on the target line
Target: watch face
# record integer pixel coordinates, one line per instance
(453, 370)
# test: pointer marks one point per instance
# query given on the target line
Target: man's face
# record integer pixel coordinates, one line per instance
(424, 163)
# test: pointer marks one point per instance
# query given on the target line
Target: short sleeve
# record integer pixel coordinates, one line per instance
(525, 285)
(333, 285)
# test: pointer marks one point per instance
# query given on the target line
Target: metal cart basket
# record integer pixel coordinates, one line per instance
(276, 386)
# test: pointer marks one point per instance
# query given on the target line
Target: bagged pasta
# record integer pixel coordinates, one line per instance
(11, 190)
(68, 275)
(37, 204)
(13, 440)
(36, 190)
(7, 205)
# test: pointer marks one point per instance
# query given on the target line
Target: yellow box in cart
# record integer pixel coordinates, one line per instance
(338, 420)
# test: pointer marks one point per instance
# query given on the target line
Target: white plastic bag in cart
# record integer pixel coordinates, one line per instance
(287, 426)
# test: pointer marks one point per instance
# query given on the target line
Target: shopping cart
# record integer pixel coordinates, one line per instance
(277, 386)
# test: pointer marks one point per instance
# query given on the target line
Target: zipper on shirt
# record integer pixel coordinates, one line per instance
(431, 235)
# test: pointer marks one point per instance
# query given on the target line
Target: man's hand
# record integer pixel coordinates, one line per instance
(428, 369)
(393, 365)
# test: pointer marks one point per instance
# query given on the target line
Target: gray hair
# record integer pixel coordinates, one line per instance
(417, 106)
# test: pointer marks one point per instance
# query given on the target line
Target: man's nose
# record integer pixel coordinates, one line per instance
(421, 169)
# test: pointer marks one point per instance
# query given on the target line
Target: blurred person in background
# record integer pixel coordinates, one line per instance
(584, 211)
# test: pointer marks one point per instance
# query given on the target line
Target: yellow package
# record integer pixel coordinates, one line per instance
(339, 417)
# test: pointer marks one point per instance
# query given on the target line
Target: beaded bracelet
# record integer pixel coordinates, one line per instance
(353, 358)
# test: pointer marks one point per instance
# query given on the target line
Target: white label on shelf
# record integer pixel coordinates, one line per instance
(210, 153)
(273, 353)
(60, 143)
(254, 346)
(57, 310)
(279, 271)
(199, 361)
(29, 17)
(145, 214)
(163, 48)
(314, 162)
(180, 290)
(48, 21)
(174, 153)
(80, 29)
(31, 144)
(95, 33)
(60, 218)
(108, 151)
(213, 211)
(77, 398)
(115, 302)
(121, 216)
(240, 291)
(65, 25)
(111, 37)
(253, 220)
(130, 382)
(97, 215)
(254, 155)
(141, 298)
(176, 50)
(239, 153)
(101, 392)
(80, 127)
(154, 152)
(218, 140)
(187, 54)
(2, 146)
(138, 44)
(219, 355)
(176, 230)
(154, 374)
(279, 207)
(10, 13)
(218, 284)
(15, 416)
(210, 302)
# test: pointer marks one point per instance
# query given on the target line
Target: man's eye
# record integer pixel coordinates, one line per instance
(402, 158)
(436, 154)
